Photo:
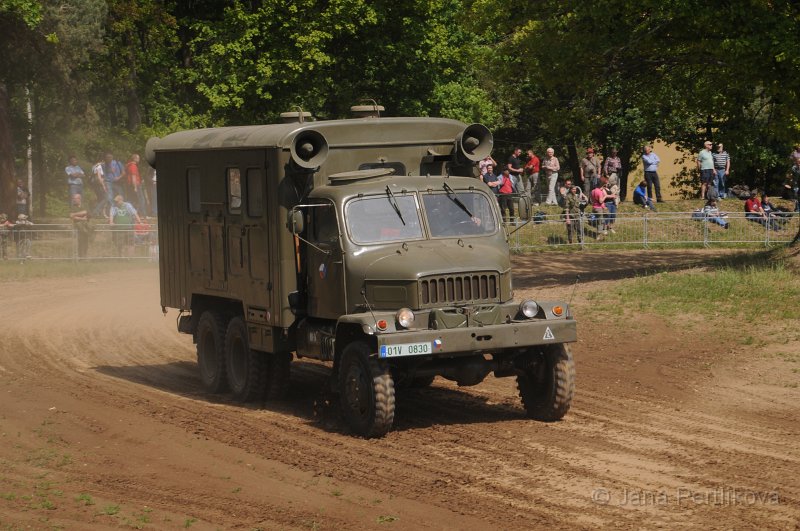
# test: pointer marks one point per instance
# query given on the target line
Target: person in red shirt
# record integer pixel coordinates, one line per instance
(532, 177)
(754, 211)
(136, 190)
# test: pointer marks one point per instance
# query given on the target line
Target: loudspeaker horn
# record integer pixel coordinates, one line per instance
(475, 142)
(309, 149)
(150, 150)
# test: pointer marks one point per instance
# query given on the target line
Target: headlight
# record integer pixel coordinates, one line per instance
(529, 309)
(405, 318)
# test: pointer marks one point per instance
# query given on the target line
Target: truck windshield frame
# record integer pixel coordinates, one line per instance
(374, 219)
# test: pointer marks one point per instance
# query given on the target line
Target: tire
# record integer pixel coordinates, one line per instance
(547, 382)
(211, 352)
(278, 373)
(246, 368)
(366, 391)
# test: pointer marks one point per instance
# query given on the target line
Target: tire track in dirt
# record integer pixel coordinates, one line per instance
(458, 458)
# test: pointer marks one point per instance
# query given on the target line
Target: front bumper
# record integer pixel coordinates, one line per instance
(477, 340)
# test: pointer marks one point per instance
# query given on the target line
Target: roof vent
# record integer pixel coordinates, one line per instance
(367, 111)
(295, 117)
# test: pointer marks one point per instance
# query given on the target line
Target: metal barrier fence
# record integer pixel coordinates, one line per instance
(655, 229)
(66, 242)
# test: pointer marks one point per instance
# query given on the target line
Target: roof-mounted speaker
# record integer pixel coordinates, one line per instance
(309, 149)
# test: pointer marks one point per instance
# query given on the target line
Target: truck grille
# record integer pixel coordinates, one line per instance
(447, 289)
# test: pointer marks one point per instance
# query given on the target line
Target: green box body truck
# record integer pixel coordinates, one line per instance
(367, 243)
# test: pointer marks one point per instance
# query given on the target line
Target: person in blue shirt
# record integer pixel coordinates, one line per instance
(651, 161)
(75, 177)
(640, 197)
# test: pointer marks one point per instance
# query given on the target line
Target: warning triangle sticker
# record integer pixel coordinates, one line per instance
(548, 334)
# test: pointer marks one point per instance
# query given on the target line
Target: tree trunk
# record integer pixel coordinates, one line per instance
(134, 106)
(39, 173)
(574, 163)
(625, 154)
(8, 185)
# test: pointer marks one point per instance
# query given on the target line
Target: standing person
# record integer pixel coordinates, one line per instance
(532, 177)
(80, 221)
(610, 203)
(599, 210)
(75, 177)
(722, 167)
(114, 177)
(515, 165)
(136, 184)
(22, 236)
(705, 163)
(99, 187)
(482, 164)
(612, 165)
(590, 171)
(154, 195)
(572, 213)
(651, 162)
(507, 185)
(23, 198)
(491, 179)
(551, 168)
(5, 230)
(122, 216)
(795, 156)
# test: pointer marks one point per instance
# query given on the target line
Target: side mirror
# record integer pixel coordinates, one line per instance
(297, 221)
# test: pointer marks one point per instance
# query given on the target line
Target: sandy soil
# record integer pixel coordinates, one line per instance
(675, 424)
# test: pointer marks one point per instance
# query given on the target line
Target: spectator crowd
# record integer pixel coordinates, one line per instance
(597, 186)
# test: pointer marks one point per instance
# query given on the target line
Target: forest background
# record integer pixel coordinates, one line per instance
(106, 75)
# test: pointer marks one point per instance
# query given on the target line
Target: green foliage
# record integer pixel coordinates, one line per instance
(108, 74)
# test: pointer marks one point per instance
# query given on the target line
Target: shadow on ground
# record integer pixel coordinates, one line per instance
(310, 397)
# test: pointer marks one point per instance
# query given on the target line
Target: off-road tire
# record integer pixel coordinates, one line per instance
(211, 352)
(246, 369)
(366, 391)
(547, 382)
(278, 374)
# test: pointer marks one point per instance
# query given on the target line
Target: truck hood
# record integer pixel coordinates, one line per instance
(414, 260)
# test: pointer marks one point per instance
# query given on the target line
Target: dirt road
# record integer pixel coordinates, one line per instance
(103, 424)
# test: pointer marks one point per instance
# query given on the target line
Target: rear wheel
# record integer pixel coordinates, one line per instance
(366, 391)
(547, 382)
(210, 352)
(246, 368)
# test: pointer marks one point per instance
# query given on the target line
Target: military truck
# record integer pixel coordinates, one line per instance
(365, 242)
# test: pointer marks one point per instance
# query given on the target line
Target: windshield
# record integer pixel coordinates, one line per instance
(383, 219)
(449, 212)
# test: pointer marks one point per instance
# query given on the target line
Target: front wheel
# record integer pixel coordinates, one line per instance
(547, 382)
(366, 391)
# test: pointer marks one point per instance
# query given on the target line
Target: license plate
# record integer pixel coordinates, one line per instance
(406, 349)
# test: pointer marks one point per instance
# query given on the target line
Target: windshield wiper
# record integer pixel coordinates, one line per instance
(452, 195)
(393, 202)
